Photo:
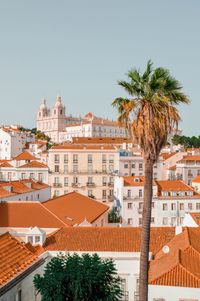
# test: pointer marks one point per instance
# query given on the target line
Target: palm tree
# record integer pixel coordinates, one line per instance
(150, 114)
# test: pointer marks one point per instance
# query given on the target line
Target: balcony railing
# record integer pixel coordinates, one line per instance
(110, 184)
(75, 184)
(136, 296)
(57, 185)
(90, 184)
(75, 161)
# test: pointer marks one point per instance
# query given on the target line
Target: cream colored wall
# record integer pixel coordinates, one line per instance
(97, 172)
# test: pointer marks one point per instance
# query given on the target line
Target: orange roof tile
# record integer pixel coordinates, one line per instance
(74, 207)
(190, 158)
(196, 217)
(34, 164)
(14, 258)
(27, 214)
(176, 185)
(25, 156)
(6, 164)
(100, 140)
(196, 179)
(166, 156)
(21, 186)
(134, 181)
(181, 265)
(106, 239)
(172, 167)
(83, 147)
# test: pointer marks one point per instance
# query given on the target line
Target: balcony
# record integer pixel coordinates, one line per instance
(90, 184)
(110, 198)
(57, 185)
(75, 161)
(104, 161)
(136, 296)
(111, 161)
(75, 184)
(104, 183)
(110, 184)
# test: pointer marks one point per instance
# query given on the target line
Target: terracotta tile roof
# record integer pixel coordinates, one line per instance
(190, 158)
(196, 179)
(172, 167)
(83, 147)
(68, 210)
(74, 207)
(166, 156)
(34, 164)
(14, 258)
(176, 185)
(180, 269)
(18, 187)
(27, 214)
(196, 217)
(6, 164)
(106, 239)
(100, 140)
(25, 156)
(181, 265)
(134, 181)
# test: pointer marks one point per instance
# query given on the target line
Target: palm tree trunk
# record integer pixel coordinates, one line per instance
(145, 233)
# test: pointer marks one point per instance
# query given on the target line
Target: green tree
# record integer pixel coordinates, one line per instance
(150, 115)
(79, 278)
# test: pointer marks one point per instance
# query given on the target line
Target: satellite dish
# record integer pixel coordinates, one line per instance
(165, 249)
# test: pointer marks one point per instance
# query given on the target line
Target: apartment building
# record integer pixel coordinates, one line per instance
(171, 200)
(23, 166)
(88, 169)
(188, 168)
(13, 141)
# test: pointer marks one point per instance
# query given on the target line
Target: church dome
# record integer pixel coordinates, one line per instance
(43, 105)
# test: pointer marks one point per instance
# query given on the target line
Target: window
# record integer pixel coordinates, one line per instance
(173, 221)
(90, 180)
(126, 165)
(90, 193)
(181, 206)
(133, 165)
(23, 175)
(165, 207)
(40, 177)
(104, 168)
(56, 158)
(140, 221)
(189, 206)
(140, 166)
(103, 194)
(104, 158)
(66, 182)
(141, 205)
(164, 193)
(65, 168)
(90, 167)
(111, 158)
(165, 220)
(129, 193)
(18, 296)
(130, 221)
(197, 206)
(129, 205)
(111, 168)
(30, 239)
(104, 180)
(140, 193)
(89, 158)
(32, 175)
(38, 196)
(37, 238)
(75, 158)
(56, 168)
(152, 220)
(75, 168)
(65, 158)
(173, 206)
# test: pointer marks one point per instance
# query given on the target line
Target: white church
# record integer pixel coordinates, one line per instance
(59, 127)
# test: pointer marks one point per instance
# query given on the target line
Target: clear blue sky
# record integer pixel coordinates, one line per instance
(80, 48)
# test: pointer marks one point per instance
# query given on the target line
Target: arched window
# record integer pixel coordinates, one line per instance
(60, 112)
